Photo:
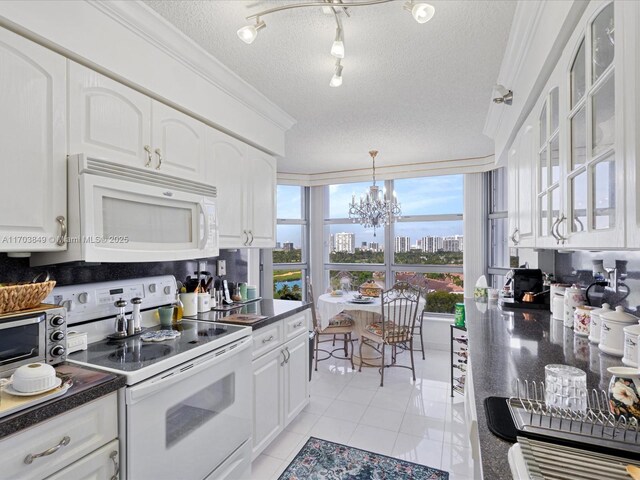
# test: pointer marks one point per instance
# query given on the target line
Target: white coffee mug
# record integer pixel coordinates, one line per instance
(189, 304)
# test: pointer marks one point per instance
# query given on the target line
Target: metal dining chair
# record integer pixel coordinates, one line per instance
(341, 324)
(399, 310)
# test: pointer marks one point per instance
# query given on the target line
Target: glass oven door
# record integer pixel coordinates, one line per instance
(185, 422)
(21, 341)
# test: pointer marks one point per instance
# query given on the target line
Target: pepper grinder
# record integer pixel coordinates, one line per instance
(121, 318)
(136, 316)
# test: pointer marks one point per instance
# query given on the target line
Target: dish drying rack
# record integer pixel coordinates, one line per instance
(595, 427)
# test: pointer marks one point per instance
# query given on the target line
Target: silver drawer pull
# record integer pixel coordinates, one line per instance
(50, 451)
(116, 468)
(266, 340)
(296, 325)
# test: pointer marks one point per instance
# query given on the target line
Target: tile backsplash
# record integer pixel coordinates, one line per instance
(576, 267)
(18, 269)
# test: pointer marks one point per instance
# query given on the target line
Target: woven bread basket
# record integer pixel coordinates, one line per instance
(25, 296)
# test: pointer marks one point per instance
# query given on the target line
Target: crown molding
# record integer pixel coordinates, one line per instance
(151, 27)
(391, 172)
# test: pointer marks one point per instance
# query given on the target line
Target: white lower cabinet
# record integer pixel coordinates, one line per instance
(63, 441)
(103, 464)
(280, 382)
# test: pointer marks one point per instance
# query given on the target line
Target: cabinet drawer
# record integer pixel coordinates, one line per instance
(103, 464)
(295, 325)
(88, 428)
(267, 338)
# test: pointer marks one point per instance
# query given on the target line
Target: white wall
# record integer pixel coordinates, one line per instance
(475, 224)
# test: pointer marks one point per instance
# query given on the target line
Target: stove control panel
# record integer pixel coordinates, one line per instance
(90, 301)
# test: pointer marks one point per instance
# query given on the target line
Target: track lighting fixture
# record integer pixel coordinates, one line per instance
(249, 33)
(505, 96)
(422, 12)
(336, 80)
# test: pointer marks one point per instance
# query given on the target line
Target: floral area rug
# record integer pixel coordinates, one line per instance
(323, 460)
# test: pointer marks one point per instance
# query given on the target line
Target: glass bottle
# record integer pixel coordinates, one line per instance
(178, 309)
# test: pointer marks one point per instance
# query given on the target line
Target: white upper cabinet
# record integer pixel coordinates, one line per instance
(225, 170)
(108, 119)
(33, 146)
(179, 142)
(594, 183)
(245, 179)
(261, 214)
(521, 188)
(112, 121)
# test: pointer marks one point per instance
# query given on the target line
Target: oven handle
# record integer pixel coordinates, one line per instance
(186, 370)
(20, 323)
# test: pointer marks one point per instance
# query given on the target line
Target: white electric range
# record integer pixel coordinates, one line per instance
(186, 410)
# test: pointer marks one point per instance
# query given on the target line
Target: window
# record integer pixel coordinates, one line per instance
(290, 257)
(501, 257)
(425, 245)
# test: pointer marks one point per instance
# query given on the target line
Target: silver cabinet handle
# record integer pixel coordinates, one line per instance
(251, 241)
(553, 233)
(159, 154)
(147, 149)
(286, 356)
(267, 340)
(63, 231)
(513, 236)
(50, 451)
(246, 237)
(116, 467)
(560, 237)
(296, 325)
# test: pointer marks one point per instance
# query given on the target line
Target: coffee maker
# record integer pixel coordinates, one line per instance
(523, 281)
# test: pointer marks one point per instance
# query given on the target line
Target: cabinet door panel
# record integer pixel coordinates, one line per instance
(268, 376)
(33, 140)
(181, 140)
(225, 167)
(261, 182)
(526, 179)
(107, 119)
(296, 382)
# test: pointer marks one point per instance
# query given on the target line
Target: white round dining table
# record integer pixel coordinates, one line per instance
(363, 313)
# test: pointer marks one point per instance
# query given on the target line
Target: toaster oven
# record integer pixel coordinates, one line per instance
(34, 335)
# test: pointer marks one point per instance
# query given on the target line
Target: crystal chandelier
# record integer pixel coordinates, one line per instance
(374, 210)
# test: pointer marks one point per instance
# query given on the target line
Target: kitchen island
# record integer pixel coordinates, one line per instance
(505, 345)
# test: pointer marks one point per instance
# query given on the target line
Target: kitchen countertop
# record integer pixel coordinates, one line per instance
(509, 344)
(274, 310)
(88, 385)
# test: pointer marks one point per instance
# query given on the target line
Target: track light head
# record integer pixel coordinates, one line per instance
(337, 49)
(336, 80)
(249, 33)
(422, 12)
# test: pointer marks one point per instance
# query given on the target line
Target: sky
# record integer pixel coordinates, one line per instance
(417, 196)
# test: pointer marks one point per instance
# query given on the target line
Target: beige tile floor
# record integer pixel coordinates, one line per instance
(418, 422)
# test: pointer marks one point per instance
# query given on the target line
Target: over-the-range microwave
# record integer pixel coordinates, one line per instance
(119, 213)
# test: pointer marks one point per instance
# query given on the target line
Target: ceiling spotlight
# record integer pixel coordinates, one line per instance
(505, 96)
(337, 49)
(336, 80)
(249, 33)
(422, 12)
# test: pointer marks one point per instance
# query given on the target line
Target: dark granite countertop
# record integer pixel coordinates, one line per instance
(274, 310)
(88, 385)
(508, 344)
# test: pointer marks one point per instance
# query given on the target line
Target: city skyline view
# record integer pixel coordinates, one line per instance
(417, 196)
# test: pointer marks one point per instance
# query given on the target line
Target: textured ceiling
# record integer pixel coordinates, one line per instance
(417, 93)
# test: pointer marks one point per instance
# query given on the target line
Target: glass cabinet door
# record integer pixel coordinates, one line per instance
(548, 162)
(591, 181)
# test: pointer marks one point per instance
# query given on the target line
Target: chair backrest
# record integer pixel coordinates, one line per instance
(400, 305)
(343, 280)
(311, 299)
